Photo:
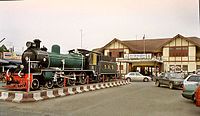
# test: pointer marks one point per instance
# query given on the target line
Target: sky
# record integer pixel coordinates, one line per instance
(61, 21)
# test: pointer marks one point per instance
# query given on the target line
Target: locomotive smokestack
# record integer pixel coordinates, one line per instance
(37, 42)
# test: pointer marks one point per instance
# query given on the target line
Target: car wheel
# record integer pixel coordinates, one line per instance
(194, 98)
(145, 79)
(128, 79)
(171, 86)
(157, 83)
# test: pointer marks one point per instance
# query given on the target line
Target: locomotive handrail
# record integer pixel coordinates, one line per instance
(19, 73)
(7, 73)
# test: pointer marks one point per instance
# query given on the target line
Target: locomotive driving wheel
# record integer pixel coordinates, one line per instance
(82, 78)
(72, 79)
(49, 84)
(60, 82)
(35, 84)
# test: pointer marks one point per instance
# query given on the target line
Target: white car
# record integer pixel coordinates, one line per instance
(136, 76)
(192, 79)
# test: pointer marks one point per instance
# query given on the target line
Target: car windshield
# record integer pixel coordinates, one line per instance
(194, 78)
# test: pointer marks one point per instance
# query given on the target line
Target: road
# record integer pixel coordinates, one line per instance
(135, 99)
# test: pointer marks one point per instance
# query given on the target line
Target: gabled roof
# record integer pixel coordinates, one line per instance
(194, 40)
(113, 41)
(151, 45)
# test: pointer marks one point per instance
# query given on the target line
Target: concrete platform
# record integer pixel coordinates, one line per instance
(33, 96)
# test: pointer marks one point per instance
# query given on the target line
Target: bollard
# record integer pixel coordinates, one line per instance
(103, 79)
(27, 85)
(64, 81)
(87, 78)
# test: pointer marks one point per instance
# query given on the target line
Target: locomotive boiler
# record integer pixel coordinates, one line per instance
(50, 59)
(50, 69)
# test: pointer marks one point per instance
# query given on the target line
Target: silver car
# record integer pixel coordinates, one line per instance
(136, 76)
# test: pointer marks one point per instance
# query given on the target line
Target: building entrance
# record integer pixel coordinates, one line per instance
(149, 68)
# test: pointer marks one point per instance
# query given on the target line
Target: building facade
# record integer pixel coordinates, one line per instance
(152, 56)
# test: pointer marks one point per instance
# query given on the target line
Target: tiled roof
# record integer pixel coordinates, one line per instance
(194, 40)
(149, 45)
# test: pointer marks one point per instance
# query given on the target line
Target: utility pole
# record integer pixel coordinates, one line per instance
(144, 43)
(199, 12)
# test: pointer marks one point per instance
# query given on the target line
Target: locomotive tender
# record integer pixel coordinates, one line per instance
(51, 68)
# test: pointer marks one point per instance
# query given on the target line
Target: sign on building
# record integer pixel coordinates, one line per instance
(137, 56)
(10, 55)
(7, 55)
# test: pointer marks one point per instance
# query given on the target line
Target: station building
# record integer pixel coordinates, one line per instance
(152, 56)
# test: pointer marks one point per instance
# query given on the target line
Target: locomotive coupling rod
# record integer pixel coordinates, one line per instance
(68, 77)
(72, 78)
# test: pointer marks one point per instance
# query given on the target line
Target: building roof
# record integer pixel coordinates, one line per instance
(147, 45)
(151, 45)
(194, 40)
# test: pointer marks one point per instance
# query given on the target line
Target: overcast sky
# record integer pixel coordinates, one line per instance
(60, 21)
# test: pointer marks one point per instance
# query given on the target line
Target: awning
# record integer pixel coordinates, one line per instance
(17, 62)
(10, 66)
(4, 61)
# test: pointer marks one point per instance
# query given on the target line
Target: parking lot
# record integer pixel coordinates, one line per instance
(137, 98)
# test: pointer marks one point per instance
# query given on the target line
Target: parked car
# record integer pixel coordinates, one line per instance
(197, 95)
(171, 79)
(189, 86)
(136, 76)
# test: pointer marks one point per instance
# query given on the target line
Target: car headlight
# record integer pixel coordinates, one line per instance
(176, 82)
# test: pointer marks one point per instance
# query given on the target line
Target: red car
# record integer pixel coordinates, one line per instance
(197, 96)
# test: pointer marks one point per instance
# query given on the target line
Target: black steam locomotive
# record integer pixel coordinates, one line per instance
(51, 68)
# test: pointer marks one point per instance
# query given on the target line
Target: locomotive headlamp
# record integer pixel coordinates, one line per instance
(44, 59)
(26, 58)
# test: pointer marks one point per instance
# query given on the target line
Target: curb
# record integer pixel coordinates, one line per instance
(22, 97)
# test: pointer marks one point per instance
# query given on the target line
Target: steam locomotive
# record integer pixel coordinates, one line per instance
(50, 69)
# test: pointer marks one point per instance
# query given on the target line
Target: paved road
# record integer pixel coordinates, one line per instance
(136, 99)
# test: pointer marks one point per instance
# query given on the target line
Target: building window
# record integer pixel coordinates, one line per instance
(185, 67)
(110, 54)
(198, 66)
(178, 51)
(178, 68)
(121, 67)
(121, 54)
(171, 67)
